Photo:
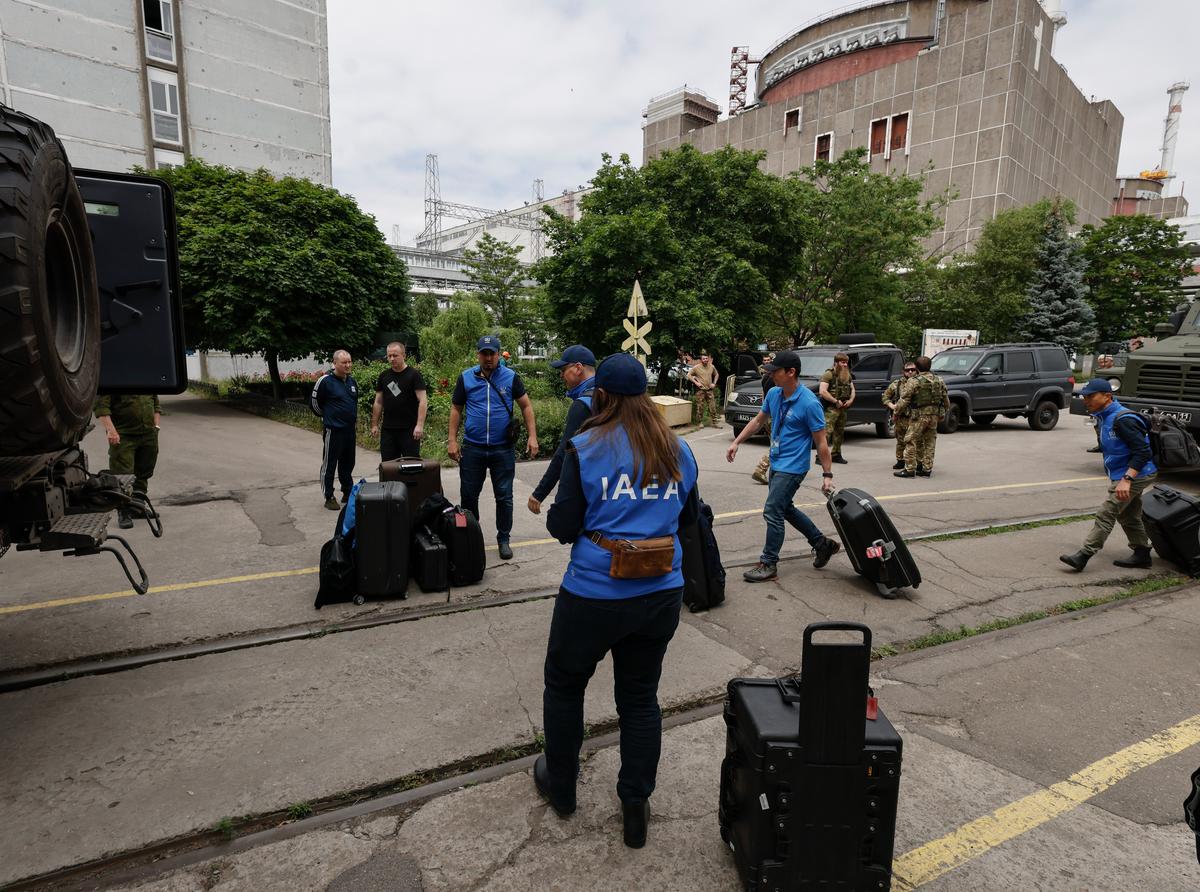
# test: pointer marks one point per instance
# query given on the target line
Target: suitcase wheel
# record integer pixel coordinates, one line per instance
(360, 600)
(886, 591)
(693, 607)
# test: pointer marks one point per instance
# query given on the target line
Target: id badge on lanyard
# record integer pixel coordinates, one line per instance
(777, 432)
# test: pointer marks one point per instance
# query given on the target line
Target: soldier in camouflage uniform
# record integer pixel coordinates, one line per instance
(900, 420)
(924, 397)
(131, 425)
(837, 394)
(704, 376)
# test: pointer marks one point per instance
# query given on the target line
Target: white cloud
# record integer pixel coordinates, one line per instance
(504, 92)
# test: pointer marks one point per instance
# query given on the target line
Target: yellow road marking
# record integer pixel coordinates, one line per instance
(306, 571)
(930, 861)
(940, 492)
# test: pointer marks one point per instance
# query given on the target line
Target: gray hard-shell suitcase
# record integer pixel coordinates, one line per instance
(382, 535)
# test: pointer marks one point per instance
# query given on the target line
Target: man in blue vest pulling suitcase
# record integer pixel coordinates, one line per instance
(1125, 444)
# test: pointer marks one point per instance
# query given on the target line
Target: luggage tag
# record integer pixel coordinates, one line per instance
(460, 519)
(872, 705)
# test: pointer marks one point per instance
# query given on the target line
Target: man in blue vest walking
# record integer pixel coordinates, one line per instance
(578, 368)
(489, 393)
(1125, 443)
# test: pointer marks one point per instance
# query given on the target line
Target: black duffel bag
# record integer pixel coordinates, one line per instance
(337, 578)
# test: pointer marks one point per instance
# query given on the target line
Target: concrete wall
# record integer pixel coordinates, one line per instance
(984, 120)
(254, 78)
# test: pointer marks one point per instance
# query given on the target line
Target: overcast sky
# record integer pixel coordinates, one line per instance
(505, 92)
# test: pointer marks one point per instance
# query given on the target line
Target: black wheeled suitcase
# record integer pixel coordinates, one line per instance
(875, 549)
(430, 561)
(382, 534)
(703, 573)
(1172, 520)
(463, 536)
(423, 477)
(811, 774)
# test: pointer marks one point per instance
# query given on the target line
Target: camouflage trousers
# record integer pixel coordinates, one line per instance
(136, 454)
(901, 422)
(919, 442)
(705, 400)
(835, 428)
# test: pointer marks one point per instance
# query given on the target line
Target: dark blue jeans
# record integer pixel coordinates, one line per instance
(583, 630)
(779, 508)
(474, 465)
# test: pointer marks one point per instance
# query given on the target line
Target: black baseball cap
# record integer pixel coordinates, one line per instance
(784, 359)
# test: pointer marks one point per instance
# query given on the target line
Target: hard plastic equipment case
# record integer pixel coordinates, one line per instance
(875, 548)
(1172, 520)
(810, 780)
(430, 561)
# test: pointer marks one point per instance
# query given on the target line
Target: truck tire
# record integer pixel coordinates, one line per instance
(1044, 416)
(952, 421)
(886, 430)
(49, 305)
(737, 430)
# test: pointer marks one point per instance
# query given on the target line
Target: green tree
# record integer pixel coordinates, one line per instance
(855, 229)
(1135, 266)
(709, 235)
(425, 309)
(282, 267)
(988, 289)
(1058, 308)
(495, 269)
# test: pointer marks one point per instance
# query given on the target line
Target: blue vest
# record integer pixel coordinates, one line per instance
(619, 508)
(583, 391)
(487, 411)
(1116, 452)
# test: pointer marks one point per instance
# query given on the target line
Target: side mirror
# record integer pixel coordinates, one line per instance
(986, 372)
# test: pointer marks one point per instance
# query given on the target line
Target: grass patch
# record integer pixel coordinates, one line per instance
(226, 827)
(946, 636)
(298, 810)
(1008, 528)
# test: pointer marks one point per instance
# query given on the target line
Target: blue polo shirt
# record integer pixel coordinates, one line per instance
(793, 422)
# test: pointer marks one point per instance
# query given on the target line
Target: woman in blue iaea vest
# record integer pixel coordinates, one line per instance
(627, 485)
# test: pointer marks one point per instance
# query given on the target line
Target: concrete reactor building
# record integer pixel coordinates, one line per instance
(150, 82)
(966, 92)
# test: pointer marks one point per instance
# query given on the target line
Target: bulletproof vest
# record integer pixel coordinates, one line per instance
(837, 389)
(927, 393)
(488, 410)
(1116, 452)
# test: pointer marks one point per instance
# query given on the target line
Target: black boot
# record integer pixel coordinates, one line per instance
(1076, 561)
(1139, 560)
(541, 780)
(898, 466)
(124, 520)
(635, 816)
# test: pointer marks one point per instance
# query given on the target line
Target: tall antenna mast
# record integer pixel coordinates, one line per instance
(535, 237)
(433, 205)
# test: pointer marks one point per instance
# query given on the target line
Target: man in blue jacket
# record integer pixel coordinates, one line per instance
(578, 368)
(1125, 444)
(335, 399)
(488, 394)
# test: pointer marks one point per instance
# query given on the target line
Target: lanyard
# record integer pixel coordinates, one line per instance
(777, 429)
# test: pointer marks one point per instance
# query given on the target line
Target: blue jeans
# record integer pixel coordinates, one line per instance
(637, 632)
(779, 508)
(474, 465)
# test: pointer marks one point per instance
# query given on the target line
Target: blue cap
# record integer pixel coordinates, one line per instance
(575, 353)
(488, 342)
(621, 373)
(1096, 385)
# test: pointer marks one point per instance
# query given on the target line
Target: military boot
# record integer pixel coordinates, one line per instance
(1076, 561)
(1139, 560)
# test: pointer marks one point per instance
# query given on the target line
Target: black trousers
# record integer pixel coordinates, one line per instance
(338, 456)
(398, 442)
(637, 632)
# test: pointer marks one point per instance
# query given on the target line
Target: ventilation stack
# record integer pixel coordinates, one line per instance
(1171, 132)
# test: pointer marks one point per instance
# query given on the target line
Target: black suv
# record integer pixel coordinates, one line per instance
(1033, 381)
(874, 366)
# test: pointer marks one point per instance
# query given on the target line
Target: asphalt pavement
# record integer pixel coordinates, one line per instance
(109, 763)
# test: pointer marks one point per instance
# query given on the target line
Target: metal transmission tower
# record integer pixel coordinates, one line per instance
(535, 237)
(431, 235)
(739, 65)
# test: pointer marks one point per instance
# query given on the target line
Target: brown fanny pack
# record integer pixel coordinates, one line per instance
(638, 558)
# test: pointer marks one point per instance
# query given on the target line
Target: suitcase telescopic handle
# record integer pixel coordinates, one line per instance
(836, 626)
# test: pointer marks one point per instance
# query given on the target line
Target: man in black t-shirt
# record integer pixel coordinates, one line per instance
(400, 399)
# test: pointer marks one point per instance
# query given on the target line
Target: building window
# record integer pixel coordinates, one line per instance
(791, 121)
(824, 147)
(164, 106)
(164, 158)
(899, 133)
(160, 43)
(879, 137)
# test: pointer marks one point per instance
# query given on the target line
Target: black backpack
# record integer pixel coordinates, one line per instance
(1171, 443)
(337, 579)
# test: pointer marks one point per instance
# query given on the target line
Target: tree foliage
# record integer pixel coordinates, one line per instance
(855, 228)
(1135, 267)
(495, 268)
(1057, 298)
(425, 309)
(710, 236)
(281, 266)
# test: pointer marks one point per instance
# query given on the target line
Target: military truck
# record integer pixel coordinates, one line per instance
(1165, 376)
(89, 303)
